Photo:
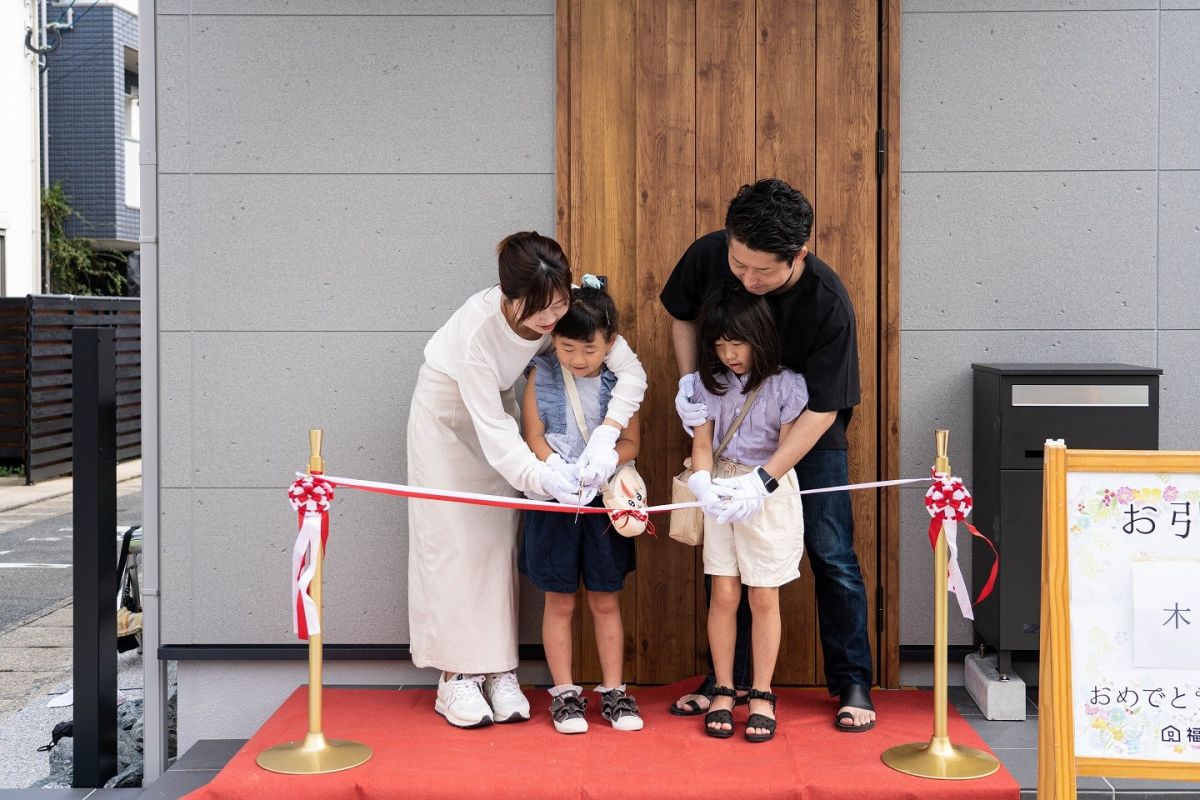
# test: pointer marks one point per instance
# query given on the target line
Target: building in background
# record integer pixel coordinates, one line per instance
(92, 98)
(20, 218)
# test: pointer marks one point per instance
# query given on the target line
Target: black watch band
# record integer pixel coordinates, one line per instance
(768, 480)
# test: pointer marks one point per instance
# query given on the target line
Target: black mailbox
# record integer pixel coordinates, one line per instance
(1017, 407)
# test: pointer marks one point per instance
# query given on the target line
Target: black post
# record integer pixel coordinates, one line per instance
(94, 406)
(28, 390)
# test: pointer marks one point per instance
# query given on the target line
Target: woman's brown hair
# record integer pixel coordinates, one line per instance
(533, 270)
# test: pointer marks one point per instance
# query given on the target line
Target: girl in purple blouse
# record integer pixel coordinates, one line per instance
(739, 352)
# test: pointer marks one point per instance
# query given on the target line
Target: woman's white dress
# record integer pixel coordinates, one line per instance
(463, 435)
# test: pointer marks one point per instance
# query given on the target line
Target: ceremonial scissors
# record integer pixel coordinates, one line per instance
(578, 500)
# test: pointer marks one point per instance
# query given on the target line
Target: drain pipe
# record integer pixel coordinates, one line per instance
(155, 748)
(44, 91)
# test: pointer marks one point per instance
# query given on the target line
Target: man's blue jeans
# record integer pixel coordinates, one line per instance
(841, 595)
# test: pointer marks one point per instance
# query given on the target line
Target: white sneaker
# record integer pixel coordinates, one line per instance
(504, 694)
(461, 703)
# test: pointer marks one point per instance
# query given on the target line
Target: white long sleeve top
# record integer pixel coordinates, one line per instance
(484, 356)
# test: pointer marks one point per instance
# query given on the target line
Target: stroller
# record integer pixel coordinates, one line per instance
(129, 592)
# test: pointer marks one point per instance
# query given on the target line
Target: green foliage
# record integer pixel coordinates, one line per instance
(76, 265)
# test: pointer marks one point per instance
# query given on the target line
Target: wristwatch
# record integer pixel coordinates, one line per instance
(768, 480)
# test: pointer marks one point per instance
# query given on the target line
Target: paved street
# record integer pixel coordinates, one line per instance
(35, 552)
(36, 541)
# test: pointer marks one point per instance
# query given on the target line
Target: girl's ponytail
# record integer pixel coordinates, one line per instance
(591, 310)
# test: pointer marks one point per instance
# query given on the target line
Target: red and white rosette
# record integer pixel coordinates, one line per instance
(309, 496)
(948, 502)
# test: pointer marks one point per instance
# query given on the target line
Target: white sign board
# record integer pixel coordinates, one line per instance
(1166, 614)
(1134, 545)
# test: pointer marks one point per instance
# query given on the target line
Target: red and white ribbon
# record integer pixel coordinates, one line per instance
(948, 502)
(309, 496)
(521, 503)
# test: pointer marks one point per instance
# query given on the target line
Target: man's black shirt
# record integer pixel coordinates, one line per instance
(815, 318)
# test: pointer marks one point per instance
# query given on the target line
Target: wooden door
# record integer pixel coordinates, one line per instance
(665, 108)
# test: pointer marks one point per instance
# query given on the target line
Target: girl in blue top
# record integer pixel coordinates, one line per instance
(739, 354)
(558, 548)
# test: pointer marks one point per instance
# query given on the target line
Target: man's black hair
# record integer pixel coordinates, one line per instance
(770, 217)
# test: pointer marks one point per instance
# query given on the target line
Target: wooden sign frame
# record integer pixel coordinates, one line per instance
(1057, 764)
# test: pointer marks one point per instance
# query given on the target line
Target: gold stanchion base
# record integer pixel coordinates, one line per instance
(314, 756)
(940, 759)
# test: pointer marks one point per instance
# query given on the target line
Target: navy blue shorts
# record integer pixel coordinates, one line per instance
(556, 550)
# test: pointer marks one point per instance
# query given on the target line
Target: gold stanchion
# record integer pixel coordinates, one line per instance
(940, 758)
(314, 755)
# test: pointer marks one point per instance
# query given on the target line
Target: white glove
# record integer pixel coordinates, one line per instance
(701, 485)
(562, 482)
(559, 486)
(599, 459)
(563, 467)
(570, 471)
(744, 494)
(692, 414)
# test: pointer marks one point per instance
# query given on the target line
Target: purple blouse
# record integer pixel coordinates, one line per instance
(780, 401)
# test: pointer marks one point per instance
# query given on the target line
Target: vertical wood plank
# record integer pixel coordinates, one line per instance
(786, 91)
(725, 149)
(603, 214)
(567, 150)
(666, 201)
(847, 238)
(724, 106)
(563, 88)
(787, 149)
(573, 56)
(889, 355)
(603, 185)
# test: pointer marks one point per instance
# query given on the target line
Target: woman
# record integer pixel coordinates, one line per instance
(463, 435)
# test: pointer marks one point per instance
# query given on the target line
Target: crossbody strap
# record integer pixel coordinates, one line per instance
(738, 421)
(576, 406)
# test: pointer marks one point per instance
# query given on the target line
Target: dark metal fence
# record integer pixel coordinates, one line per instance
(35, 377)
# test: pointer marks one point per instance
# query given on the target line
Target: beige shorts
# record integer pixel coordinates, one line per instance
(764, 550)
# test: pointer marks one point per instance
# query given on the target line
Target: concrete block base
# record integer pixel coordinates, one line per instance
(997, 699)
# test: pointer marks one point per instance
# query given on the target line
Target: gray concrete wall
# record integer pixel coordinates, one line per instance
(333, 178)
(1050, 211)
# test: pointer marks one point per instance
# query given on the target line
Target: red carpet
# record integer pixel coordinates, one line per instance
(418, 755)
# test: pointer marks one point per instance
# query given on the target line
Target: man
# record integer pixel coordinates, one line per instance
(764, 248)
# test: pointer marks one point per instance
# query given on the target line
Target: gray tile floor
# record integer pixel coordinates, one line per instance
(70, 794)
(1014, 743)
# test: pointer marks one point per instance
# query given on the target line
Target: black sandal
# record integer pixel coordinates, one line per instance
(721, 715)
(693, 708)
(854, 696)
(761, 720)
